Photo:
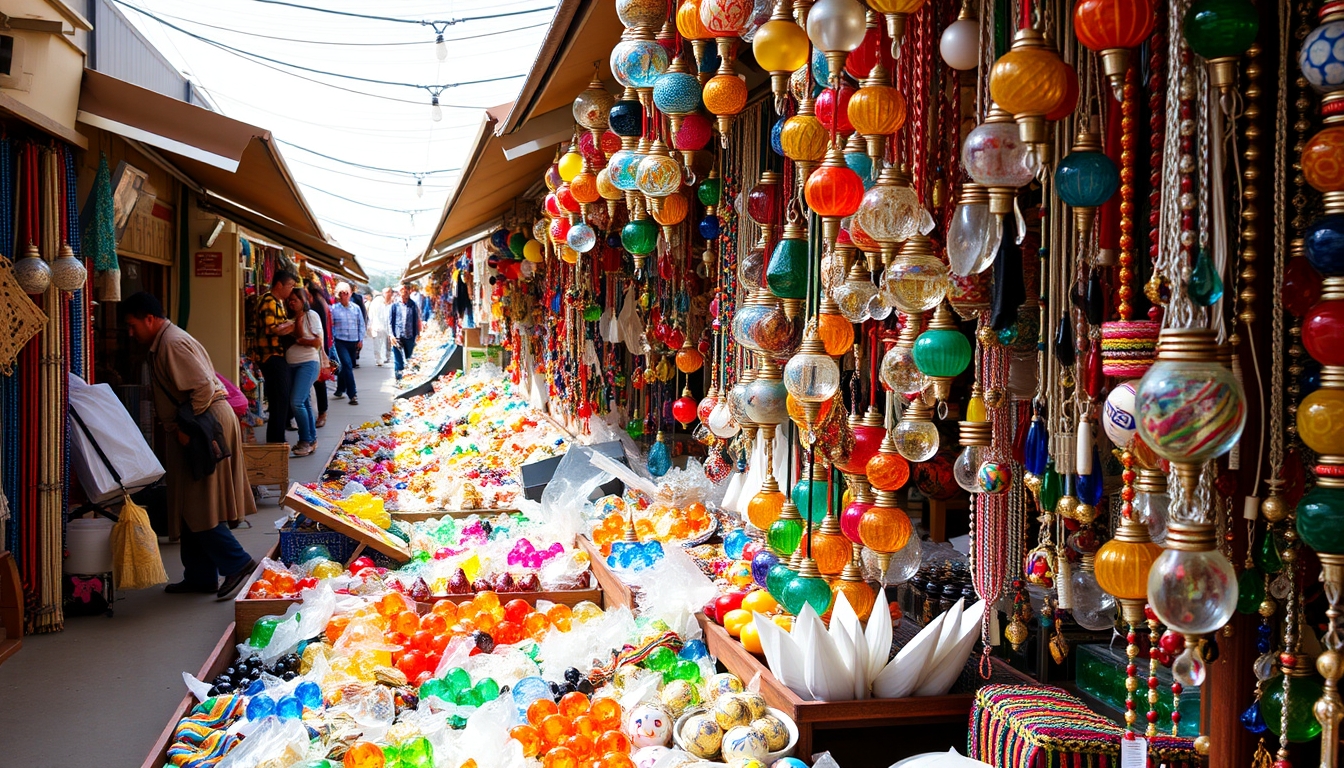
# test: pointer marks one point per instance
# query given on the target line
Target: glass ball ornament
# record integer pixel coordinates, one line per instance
(966, 469)
(560, 231)
(751, 270)
(804, 138)
(584, 189)
(1323, 244)
(1320, 519)
(641, 13)
(942, 352)
(885, 529)
(812, 376)
(639, 236)
(622, 168)
(994, 155)
(785, 535)
(1193, 593)
(837, 25)
(857, 593)
(673, 210)
(683, 409)
(725, 94)
(887, 471)
(786, 273)
(1124, 563)
(1093, 608)
(900, 373)
(862, 165)
(1086, 179)
(606, 188)
(850, 517)
(721, 421)
(780, 46)
(1320, 421)
(658, 175)
(1322, 57)
(1190, 410)
(688, 21)
(809, 496)
(1323, 331)
(766, 402)
(568, 255)
(1320, 160)
(890, 212)
(994, 476)
(1218, 29)
(777, 579)
(761, 563)
(832, 109)
(67, 272)
(807, 590)
(916, 283)
(764, 508)
(1029, 79)
(776, 136)
(638, 63)
(32, 273)
(581, 238)
(916, 439)
(694, 134)
(960, 44)
(1151, 509)
(677, 92)
(533, 252)
(833, 189)
(626, 117)
(1302, 723)
(726, 18)
(854, 299)
(902, 566)
(830, 549)
(570, 164)
(836, 333)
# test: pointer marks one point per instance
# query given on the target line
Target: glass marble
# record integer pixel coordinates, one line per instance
(638, 63)
(1190, 411)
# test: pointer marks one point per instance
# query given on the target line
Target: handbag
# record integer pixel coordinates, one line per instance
(205, 436)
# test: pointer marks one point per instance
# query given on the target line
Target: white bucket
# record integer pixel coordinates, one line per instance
(89, 541)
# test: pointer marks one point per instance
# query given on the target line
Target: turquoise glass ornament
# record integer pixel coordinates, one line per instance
(1086, 179)
(1320, 519)
(807, 590)
(810, 498)
(676, 93)
(660, 459)
(778, 578)
(1205, 286)
(862, 165)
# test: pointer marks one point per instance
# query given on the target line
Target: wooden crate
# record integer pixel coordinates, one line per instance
(614, 591)
(267, 463)
(220, 658)
(246, 612)
(812, 716)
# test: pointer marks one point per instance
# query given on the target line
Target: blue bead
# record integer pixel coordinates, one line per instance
(257, 687)
(289, 708)
(259, 707)
(1086, 179)
(709, 227)
(694, 651)
(1090, 487)
(309, 693)
(1322, 57)
(1324, 244)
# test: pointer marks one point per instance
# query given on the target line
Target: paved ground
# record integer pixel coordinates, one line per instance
(98, 694)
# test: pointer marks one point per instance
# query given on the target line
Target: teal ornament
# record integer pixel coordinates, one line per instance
(1007, 336)
(807, 590)
(638, 63)
(660, 459)
(677, 93)
(777, 579)
(1086, 179)
(1205, 286)
(810, 498)
(862, 165)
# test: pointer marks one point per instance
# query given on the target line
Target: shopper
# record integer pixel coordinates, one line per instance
(382, 341)
(273, 329)
(320, 302)
(403, 325)
(421, 303)
(347, 328)
(183, 374)
(357, 299)
(304, 363)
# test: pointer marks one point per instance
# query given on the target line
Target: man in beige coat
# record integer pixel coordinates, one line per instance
(182, 374)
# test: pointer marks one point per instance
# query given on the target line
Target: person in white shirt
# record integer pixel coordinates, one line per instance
(304, 363)
(382, 342)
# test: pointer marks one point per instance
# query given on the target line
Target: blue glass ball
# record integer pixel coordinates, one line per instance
(500, 238)
(309, 693)
(626, 118)
(761, 565)
(1086, 179)
(1324, 244)
(1322, 57)
(638, 63)
(862, 165)
(259, 707)
(289, 708)
(735, 542)
(621, 169)
(677, 93)
(821, 70)
(776, 133)
(709, 227)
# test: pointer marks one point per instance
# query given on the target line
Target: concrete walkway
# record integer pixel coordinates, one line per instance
(99, 693)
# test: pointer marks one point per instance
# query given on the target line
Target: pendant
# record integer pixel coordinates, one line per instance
(1205, 286)
(1016, 633)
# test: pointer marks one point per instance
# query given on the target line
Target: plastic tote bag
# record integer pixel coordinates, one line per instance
(136, 562)
(108, 451)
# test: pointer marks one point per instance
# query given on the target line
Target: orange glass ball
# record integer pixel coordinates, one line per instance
(1027, 81)
(877, 110)
(1106, 24)
(764, 509)
(796, 411)
(1122, 568)
(673, 210)
(725, 95)
(885, 530)
(861, 597)
(688, 21)
(1323, 160)
(689, 360)
(605, 188)
(888, 471)
(803, 138)
(836, 332)
(834, 191)
(831, 551)
(584, 188)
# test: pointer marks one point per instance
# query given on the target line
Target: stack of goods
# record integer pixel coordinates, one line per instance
(430, 349)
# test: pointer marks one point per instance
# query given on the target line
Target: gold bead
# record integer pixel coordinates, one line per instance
(1228, 630)
(1131, 684)
(1273, 508)
(995, 397)
(1202, 744)
(986, 336)
(1289, 555)
(1268, 608)
(1330, 665)
(1066, 505)
(1033, 482)
(1085, 513)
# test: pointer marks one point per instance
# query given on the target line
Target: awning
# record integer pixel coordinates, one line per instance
(229, 158)
(325, 255)
(487, 187)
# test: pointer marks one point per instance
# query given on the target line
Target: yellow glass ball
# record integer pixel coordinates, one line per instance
(861, 597)
(571, 165)
(831, 551)
(1320, 421)
(688, 21)
(569, 255)
(605, 188)
(877, 110)
(725, 95)
(689, 360)
(885, 530)
(804, 138)
(780, 46)
(1028, 81)
(533, 252)
(764, 509)
(836, 332)
(1122, 568)
(673, 210)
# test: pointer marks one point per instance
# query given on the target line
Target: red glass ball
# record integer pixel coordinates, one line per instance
(828, 113)
(706, 405)
(591, 152)
(611, 142)
(674, 338)
(683, 410)
(860, 62)
(552, 206)
(834, 191)
(1323, 333)
(1301, 287)
(763, 204)
(559, 230)
(565, 197)
(850, 517)
(867, 440)
(694, 134)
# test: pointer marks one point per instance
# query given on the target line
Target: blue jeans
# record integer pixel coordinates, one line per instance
(400, 354)
(301, 403)
(207, 555)
(345, 380)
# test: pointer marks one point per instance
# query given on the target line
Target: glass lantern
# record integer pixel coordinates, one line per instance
(1190, 407)
(917, 281)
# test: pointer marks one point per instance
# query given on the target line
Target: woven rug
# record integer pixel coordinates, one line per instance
(1022, 726)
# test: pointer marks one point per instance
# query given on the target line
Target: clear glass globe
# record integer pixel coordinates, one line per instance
(811, 377)
(916, 283)
(1151, 510)
(721, 421)
(766, 402)
(916, 440)
(737, 403)
(1193, 593)
(966, 467)
(878, 307)
(581, 238)
(852, 297)
(891, 214)
(1093, 608)
(903, 567)
(900, 373)
(751, 269)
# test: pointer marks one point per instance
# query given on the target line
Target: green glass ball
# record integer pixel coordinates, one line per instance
(804, 590)
(942, 352)
(1302, 696)
(635, 429)
(777, 579)
(809, 496)
(1219, 28)
(710, 191)
(592, 313)
(1320, 520)
(786, 274)
(640, 236)
(783, 538)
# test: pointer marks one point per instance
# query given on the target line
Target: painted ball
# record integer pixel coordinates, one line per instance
(744, 742)
(649, 726)
(701, 736)
(1117, 417)
(731, 711)
(788, 762)
(773, 729)
(678, 696)
(724, 682)
(757, 704)
(995, 477)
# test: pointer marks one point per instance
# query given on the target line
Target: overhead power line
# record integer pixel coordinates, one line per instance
(413, 174)
(438, 24)
(407, 211)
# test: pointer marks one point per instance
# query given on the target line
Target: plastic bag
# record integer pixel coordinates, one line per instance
(572, 486)
(632, 325)
(136, 562)
(303, 620)
(95, 407)
(274, 742)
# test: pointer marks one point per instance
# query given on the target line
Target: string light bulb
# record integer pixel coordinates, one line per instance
(440, 47)
(435, 111)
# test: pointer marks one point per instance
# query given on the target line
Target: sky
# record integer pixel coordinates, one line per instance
(384, 126)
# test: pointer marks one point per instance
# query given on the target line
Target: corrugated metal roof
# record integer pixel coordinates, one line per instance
(118, 49)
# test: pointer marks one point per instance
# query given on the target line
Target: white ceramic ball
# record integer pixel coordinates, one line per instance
(960, 44)
(1117, 417)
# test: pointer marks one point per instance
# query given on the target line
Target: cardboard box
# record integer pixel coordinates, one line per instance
(475, 357)
(537, 474)
(471, 337)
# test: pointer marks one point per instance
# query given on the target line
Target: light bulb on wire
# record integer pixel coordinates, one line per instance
(441, 48)
(435, 111)
(419, 187)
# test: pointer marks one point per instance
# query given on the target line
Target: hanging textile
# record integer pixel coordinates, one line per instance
(100, 236)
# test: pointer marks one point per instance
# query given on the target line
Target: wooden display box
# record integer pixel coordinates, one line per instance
(812, 716)
(220, 658)
(614, 591)
(457, 514)
(267, 463)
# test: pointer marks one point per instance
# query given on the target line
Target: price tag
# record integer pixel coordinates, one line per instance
(1134, 752)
